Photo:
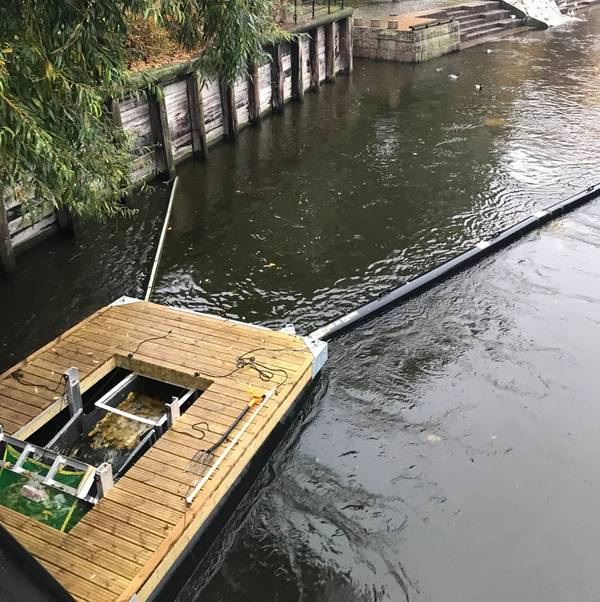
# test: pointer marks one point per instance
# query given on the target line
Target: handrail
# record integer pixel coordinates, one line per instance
(313, 4)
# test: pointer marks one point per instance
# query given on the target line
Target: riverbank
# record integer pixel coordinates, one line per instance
(471, 412)
(174, 113)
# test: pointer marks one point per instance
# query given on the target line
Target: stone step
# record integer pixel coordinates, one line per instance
(502, 33)
(486, 26)
(462, 10)
(491, 15)
(489, 29)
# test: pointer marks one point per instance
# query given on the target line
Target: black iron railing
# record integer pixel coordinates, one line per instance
(309, 8)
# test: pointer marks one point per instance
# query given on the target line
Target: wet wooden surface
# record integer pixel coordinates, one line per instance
(126, 543)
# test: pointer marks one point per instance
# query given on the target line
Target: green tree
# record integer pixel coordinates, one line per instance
(60, 60)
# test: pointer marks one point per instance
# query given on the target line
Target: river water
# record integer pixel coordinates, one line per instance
(451, 448)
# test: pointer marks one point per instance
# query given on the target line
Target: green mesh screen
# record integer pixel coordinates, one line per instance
(54, 508)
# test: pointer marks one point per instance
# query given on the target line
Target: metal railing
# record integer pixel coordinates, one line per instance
(306, 8)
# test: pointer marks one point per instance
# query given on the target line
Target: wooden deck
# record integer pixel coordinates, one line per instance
(126, 544)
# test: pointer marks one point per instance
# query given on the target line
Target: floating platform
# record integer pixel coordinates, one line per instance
(138, 528)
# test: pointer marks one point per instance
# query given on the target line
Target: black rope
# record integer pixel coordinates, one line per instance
(265, 373)
(18, 376)
(163, 336)
(196, 427)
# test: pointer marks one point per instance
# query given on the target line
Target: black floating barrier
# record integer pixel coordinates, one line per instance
(425, 281)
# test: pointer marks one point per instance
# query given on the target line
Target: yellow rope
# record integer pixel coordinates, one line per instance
(68, 518)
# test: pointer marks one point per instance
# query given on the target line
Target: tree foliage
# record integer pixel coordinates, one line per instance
(60, 61)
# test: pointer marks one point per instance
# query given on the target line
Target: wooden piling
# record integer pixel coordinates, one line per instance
(297, 70)
(315, 80)
(64, 219)
(115, 111)
(278, 100)
(160, 132)
(330, 52)
(346, 46)
(253, 95)
(230, 122)
(195, 84)
(7, 254)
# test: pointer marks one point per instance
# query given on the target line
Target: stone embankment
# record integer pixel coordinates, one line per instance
(426, 34)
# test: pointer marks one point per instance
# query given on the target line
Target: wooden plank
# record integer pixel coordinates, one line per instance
(91, 572)
(330, 51)
(350, 44)
(7, 254)
(230, 122)
(149, 505)
(127, 524)
(177, 338)
(149, 577)
(219, 324)
(153, 474)
(157, 354)
(111, 542)
(254, 94)
(195, 84)
(49, 346)
(9, 426)
(79, 588)
(213, 111)
(122, 566)
(170, 502)
(315, 76)
(298, 70)
(161, 132)
(277, 99)
(228, 339)
(345, 29)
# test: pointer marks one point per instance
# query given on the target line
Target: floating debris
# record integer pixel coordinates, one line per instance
(496, 122)
(120, 432)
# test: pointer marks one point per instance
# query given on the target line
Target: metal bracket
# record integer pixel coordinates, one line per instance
(105, 479)
(319, 350)
(173, 411)
(73, 391)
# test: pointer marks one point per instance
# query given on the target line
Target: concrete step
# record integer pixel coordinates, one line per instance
(501, 33)
(485, 17)
(462, 10)
(489, 29)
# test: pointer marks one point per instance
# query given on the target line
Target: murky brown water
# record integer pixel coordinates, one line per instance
(451, 451)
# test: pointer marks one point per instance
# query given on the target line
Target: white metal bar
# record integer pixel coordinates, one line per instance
(147, 421)
(190, 498)
(18, 467)
(161, 243)
(53, 469)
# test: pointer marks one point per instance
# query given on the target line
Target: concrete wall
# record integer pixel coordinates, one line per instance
(377, 40)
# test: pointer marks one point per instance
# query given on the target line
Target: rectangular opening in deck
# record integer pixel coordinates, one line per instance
(63, 468)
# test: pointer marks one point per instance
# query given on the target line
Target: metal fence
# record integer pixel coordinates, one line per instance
(310, 8)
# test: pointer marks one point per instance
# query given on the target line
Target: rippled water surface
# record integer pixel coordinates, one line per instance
(451, 449)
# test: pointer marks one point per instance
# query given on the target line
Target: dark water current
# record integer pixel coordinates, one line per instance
(451, 450)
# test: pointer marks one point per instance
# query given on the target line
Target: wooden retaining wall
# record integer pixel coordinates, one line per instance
(184, 114)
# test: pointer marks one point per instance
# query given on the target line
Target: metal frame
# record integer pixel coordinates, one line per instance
(172, 413)
(102, 475)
